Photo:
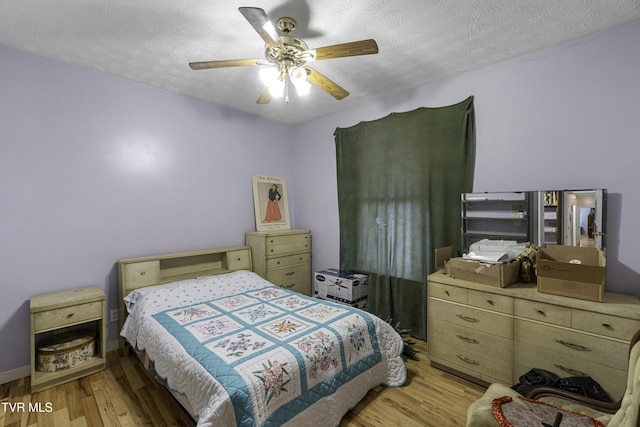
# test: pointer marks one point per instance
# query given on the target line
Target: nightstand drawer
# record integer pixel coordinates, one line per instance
(284, 261)
(66, 316)
(279, 245)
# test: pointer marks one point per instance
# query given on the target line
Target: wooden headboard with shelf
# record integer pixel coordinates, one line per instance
(135, 273)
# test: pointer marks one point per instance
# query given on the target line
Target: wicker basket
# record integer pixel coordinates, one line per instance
(66, 351)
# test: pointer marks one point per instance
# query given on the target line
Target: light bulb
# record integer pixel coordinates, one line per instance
(297, 75)
(269, 75)
(302, 87)
(276, 88)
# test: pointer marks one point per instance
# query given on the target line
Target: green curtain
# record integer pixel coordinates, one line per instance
(399, 185)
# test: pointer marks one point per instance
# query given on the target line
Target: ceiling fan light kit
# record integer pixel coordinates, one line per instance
(286, 58)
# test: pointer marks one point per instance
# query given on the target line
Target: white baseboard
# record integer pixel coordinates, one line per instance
(15, 374)
(25, 371)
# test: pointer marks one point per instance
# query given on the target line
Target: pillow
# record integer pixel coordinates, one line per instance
(534, 412)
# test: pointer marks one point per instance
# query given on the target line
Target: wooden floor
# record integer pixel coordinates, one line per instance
(124, 395)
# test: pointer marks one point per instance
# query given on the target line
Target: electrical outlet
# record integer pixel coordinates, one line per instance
(114, 315)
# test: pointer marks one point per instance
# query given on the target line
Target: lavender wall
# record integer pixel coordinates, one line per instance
(94, 168)
(562, 117)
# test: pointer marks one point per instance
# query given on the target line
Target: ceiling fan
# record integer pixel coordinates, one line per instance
(286, 58)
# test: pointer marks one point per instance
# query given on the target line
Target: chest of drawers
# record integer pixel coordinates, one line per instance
(283, 257)
(489, 334)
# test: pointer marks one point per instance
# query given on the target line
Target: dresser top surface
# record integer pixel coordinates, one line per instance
(612, 303)
(54, 300)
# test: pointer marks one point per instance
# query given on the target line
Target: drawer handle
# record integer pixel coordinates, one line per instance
(69, 316)
(571, 371)
(291, 273)
(447, 293)
(542, 313)
(573, 346)
(468, 340)
(467, 360)
(289, 286)
(143, 273)
(238, 259)
(278, 262)
(490, 302)
(606, 325)
(468, 319)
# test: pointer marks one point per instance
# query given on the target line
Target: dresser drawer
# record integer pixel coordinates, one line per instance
(468, 317)
(572, 343)
(284, 261)
(296, 278)
(527, 357)
(279, 245)
(448, 293)
(489, 301)
(471, 340)
(478, 364)
(604, 324)
(548, 313)
(67, 316)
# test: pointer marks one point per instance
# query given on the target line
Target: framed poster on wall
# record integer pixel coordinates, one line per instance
(270, 203)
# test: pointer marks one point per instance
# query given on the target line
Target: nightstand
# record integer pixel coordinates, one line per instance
(283, 257)
(59, 312)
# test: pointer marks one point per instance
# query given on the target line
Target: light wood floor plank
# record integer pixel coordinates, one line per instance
(125, 395)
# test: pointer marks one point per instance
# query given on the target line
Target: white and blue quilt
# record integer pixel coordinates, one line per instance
(259, 355)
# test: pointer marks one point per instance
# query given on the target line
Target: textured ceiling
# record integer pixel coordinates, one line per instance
(420, 41)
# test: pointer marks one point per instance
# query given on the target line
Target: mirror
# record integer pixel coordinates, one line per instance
(570, 217)
(560, 217)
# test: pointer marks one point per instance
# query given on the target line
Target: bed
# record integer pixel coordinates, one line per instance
(235, 349)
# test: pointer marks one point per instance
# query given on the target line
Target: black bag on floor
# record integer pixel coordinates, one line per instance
(583, 386)
(535, 378)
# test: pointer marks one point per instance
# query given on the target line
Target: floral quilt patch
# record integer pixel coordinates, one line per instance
(213, 328)
(258, 313)
(274, 380)
(285, 327)
(239, 345)
(322, 357)
(193, 313)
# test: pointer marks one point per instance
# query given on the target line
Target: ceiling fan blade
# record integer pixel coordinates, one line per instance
(260, 22)
(324, 83)
(224, 63)
(362, 47)
(265, 96)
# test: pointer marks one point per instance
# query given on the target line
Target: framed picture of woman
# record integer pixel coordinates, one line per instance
(270, 203)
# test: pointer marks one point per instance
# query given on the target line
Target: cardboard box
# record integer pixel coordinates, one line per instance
(500, 274)
(344, 287)
(570, 271)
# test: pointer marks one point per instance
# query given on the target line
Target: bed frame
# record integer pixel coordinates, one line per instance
(135, 273)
